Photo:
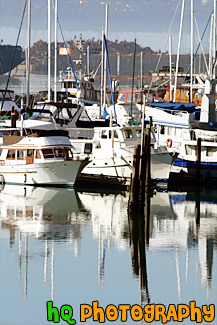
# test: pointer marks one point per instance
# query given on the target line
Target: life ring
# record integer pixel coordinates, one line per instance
(169, 143)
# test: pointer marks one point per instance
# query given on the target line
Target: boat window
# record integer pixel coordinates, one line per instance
(88, 148)
(41, 117)
(11, 154)
(178, 132)
(211, 152)
(122, 97)
(203, 151)
(129, 97)
(103, 135)
(20, 154)
(60, 152)
(37, 154)
(128, 133)
(193, 135)
(169, 131)
(30, 153)
(138, 133)
(162, 130)
(115, 134)
(190, 150)
(64, 114)
(70, 153)
(48, 153)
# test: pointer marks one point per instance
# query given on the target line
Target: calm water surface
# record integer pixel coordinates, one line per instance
(77, 247)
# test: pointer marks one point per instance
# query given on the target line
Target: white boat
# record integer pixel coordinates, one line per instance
(82, 88)
(110, 149)
(39, 159)
(179, 130)
(113, 151)
(7, 101)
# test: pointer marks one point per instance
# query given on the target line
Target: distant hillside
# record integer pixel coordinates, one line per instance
(77, 49)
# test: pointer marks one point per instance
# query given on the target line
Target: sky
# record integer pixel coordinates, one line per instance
(149, 21)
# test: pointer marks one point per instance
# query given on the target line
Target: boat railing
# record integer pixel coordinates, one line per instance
(176, 112)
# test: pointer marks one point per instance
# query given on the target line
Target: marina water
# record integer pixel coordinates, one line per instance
(74, 247)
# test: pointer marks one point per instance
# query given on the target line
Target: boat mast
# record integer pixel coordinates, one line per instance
(214, 41)
(210, 47)
(192, 49)
(178, 51)
(102, 67)
(88, 61)
(49, 51)
(141, 77)
(28, 55)
(55, 57)
(106, 36)
(170, 61)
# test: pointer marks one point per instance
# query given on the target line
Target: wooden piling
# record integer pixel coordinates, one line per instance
(142, 174)
(198, 159)
(148, 159)
(197, 207)
(13, 119)
(147, 215)
(134, 188)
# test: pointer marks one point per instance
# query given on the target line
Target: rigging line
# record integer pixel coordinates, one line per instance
(70, 62)
(165, 43)
(204, 57)
(9, 75)
(73, 71)
(199, 44)
(112, 96)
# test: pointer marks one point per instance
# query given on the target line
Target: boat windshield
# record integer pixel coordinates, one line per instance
(65, 153)
(41, 117)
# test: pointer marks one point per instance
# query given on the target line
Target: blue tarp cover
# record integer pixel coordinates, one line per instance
(190, 108)
(105, 113)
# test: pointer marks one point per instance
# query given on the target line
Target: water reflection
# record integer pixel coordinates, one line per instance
(44, 213)
(88, 241)
(197, 214)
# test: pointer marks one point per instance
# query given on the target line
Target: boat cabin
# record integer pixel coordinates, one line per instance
(18, 150)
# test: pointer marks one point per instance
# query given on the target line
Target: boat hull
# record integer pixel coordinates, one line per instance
(122, 166)
(207, 169)
(58, 173)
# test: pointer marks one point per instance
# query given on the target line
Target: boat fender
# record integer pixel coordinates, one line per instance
(169, 143)
(2, 182)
